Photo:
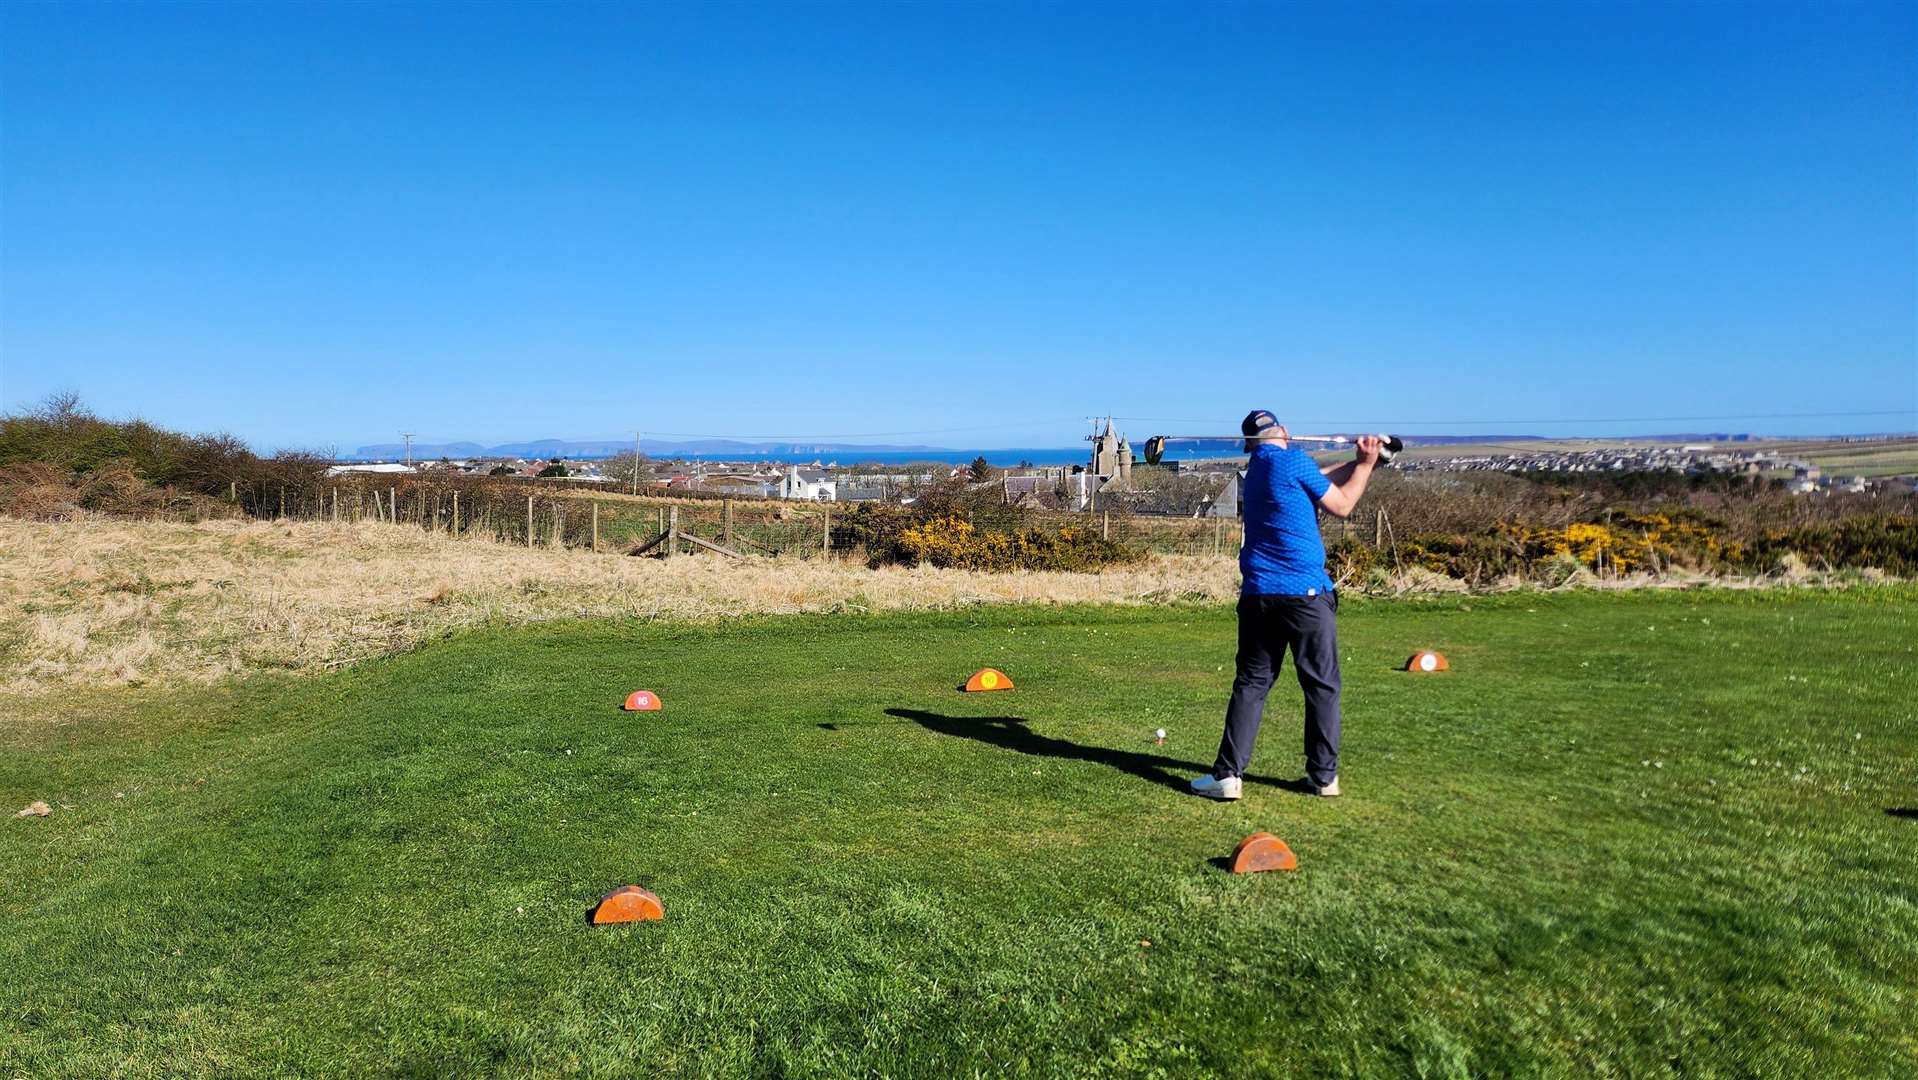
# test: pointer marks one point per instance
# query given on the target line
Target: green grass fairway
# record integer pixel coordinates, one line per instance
(1628, 835)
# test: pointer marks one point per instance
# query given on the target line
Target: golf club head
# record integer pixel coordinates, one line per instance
(1393, 444)
(1154, 449)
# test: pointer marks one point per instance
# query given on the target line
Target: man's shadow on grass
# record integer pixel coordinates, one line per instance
(1909, 813)
(1011, 733)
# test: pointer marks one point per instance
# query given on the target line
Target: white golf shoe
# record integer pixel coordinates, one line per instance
(1214, 788)
(1329, 791)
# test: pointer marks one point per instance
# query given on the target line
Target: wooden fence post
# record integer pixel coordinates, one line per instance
(825, 540)
(728, 515)
(1105, 526)
(671, 530)
(282, 501)
(456, 513)
(596, 528)
(336, 506)
(529, 521)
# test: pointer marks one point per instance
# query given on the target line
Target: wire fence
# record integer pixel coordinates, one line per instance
(557, 515)
(549, 515)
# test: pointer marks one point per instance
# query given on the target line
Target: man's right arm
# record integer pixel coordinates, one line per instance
(1342, 497)
(1340, 473)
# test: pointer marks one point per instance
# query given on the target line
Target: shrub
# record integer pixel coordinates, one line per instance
(63, 435)
(954, 542)
(1350, 562)
(37, 491)
(1886, 542)
(116, 490)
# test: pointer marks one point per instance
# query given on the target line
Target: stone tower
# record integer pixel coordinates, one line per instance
(1111, 454)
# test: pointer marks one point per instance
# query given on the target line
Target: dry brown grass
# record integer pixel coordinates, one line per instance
(97, 602)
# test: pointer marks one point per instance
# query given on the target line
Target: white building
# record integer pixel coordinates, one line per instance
(374, 467)
(813, 485)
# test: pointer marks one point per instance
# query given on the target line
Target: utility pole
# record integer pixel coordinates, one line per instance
(408, 436)
(635, 462)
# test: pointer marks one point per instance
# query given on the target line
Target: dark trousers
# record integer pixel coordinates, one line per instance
(1268, 626)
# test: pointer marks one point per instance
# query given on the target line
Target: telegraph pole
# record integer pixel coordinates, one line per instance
(635, 462)
(408, 436)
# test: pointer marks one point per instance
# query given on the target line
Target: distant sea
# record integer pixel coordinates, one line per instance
(851, 454)
(1188, 450)
(998, 458)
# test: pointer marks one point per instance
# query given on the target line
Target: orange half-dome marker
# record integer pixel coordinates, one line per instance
(628, 903)
(1262, 851)
(988, 679)
(642, 701)
(1426, 660)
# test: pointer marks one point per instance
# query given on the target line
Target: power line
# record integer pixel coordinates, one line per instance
(807, 437)
(1578, 420)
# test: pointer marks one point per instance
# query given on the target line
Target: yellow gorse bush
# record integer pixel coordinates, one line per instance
(952, 541)
(1632, 543)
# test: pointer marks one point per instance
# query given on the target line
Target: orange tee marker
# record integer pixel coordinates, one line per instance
(628, 903)
(1426, 660)
(988, 679)
(1262, 851)
(642, 701)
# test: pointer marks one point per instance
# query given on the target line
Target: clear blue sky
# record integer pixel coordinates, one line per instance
(322, 225)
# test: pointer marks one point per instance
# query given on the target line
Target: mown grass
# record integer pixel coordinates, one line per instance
(1632, 835)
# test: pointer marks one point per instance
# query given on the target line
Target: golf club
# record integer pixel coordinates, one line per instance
(1155, 446)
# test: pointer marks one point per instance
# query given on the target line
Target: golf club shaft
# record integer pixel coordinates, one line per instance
(1331, 439)
(1155, 446)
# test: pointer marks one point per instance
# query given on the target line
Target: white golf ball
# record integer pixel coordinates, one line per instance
(1160, 733)
(1428, 662)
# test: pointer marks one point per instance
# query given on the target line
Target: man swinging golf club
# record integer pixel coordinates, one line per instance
(1287, 601)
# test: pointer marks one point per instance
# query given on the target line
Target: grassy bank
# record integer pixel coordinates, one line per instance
(1637, 835)
(116, 603)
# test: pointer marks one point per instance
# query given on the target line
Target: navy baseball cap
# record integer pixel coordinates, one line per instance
(1256, 423)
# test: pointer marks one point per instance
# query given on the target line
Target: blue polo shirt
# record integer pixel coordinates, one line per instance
(1283, 555)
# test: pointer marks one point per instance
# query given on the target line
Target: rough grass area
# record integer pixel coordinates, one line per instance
(117, 603)
(1627, 835)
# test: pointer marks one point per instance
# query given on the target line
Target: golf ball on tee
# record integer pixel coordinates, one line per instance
(1159, 734)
